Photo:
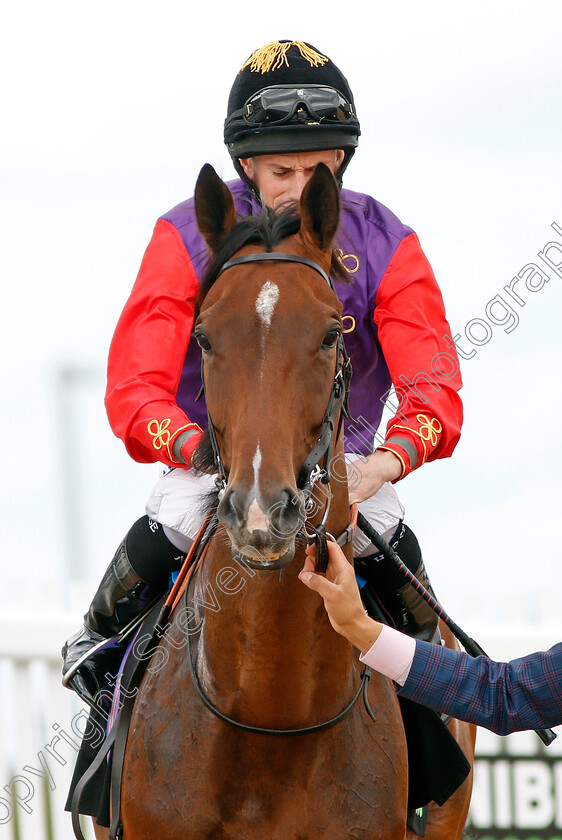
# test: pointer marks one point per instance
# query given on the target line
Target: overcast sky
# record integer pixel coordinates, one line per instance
(108, 112)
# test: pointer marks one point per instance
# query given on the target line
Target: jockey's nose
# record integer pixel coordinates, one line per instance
(298, 183)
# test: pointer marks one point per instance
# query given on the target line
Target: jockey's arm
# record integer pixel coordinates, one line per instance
(147, 354)
(416, 341)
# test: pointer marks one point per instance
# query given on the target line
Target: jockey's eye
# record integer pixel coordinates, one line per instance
(331, 337)
(203, 342)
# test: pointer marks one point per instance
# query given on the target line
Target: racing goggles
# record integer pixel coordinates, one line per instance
(307, 104)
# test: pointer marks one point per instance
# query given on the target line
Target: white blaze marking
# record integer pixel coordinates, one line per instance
(265, 303)
(256, 464)
(256, 517)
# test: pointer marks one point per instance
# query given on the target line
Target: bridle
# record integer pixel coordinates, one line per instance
(310, 473)
(338, 405)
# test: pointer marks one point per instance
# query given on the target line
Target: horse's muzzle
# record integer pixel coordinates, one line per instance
(266, 539)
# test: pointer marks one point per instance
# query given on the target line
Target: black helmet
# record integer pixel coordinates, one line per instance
(286, 98)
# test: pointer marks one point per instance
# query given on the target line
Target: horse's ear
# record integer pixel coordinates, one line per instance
(320, 208)
(214, 207)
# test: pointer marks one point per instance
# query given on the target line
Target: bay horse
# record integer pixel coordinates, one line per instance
(261, 650)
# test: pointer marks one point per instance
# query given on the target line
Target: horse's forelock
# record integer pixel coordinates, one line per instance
(269, 228)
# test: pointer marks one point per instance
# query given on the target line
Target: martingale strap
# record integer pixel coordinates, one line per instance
(191, 562)
(116, 740)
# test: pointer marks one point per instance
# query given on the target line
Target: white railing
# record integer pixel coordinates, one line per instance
(518, 785)
(39, 727)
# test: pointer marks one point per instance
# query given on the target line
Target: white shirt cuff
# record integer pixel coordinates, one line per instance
(391, 655)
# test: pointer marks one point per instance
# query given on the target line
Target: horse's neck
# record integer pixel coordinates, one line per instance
(267, 649)
(266, 642)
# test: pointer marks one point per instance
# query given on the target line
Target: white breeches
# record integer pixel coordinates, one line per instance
(178, 502)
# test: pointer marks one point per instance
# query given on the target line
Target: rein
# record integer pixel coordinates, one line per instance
(188, 576)
(471, 646)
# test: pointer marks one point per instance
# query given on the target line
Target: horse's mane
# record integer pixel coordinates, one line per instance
(269, 228)
(203, 459)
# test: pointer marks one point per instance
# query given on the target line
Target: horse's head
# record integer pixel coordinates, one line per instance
(269, 332)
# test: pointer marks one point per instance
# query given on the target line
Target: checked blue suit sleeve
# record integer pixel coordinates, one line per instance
(505, 697)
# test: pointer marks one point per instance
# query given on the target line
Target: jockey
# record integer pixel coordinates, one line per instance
(290, 108)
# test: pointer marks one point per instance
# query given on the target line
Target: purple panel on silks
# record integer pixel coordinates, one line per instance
(368, 236)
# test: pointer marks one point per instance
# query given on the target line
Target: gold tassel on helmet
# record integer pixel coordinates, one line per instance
(274, 55)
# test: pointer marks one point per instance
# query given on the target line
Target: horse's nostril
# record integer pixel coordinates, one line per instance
(229, 511)
(286, 516)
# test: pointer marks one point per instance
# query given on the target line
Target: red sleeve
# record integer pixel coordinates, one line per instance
(425, 371)
(148, 351)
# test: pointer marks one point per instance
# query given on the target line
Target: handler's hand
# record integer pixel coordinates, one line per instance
(341, 596)
(367, 476)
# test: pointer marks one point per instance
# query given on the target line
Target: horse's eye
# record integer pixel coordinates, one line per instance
(203, 342)
(331, 337)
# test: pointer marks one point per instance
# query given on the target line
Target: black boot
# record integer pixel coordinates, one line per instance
(408, 610)
(122, 595)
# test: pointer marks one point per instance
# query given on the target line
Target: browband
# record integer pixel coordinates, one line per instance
(276, 255)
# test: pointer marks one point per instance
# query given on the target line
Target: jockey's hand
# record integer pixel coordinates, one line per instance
(341, 596)
(366, 476)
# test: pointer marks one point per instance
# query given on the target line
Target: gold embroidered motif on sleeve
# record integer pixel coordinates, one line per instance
(159, 429)
(428, 431)
(162, 436)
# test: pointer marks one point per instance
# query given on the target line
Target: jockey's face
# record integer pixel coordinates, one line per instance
(281, 178)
